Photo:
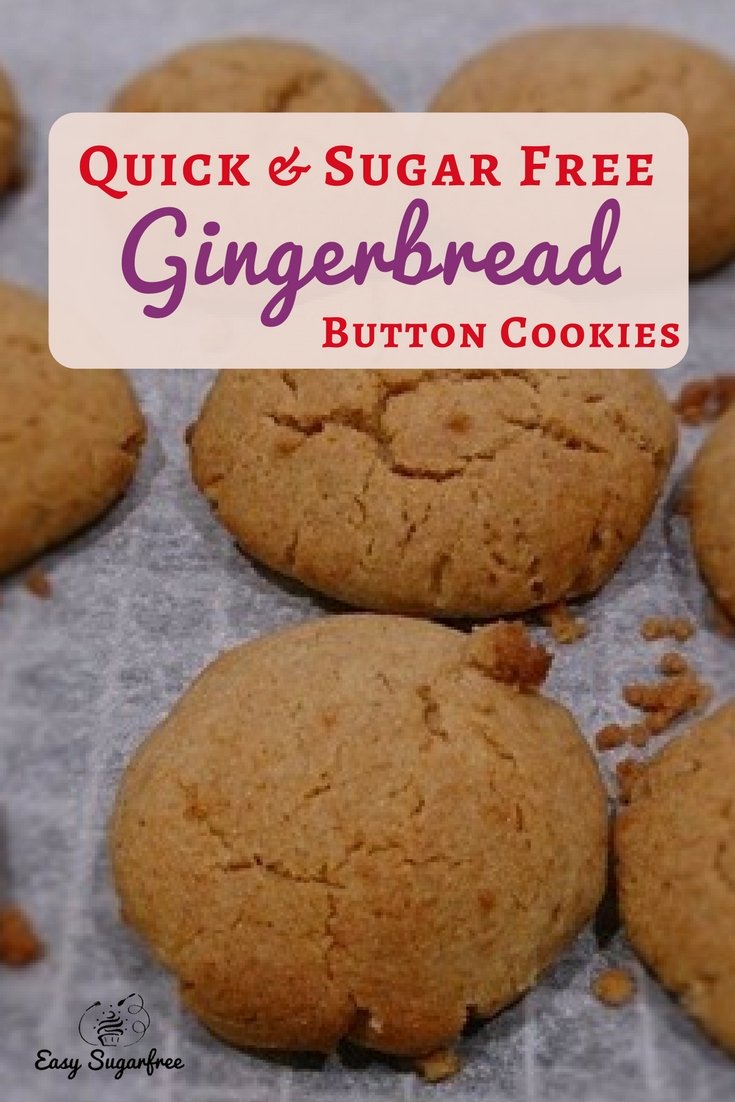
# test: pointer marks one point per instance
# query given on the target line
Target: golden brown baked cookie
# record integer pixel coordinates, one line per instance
(712, 511)
(69, 440)
(456, 493)
(350, 829)
(675, 847)
(9, 134)
(248, 74)
(587, 68)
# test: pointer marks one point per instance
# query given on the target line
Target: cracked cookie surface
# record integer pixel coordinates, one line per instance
(69, 440)
(712, 511)
(248, 74)
(451, 493)
(349, 829)
(9, 134)
(622, 69)
(675, 850)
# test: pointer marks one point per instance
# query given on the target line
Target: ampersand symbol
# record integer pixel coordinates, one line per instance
(284, 171)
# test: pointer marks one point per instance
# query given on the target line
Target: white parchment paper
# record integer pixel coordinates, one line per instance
(145, 599)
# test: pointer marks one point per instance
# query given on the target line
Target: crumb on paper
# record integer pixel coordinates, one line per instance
(507, 653)
(703, 400)
(672, 663)
(611, 737)
(627, 773)
(19, 943)
(679, 692)
(664, 702)
(614, 986)
(38, 583)
(638, 735)
(565, 627)
(438, 1066)
(667, 627)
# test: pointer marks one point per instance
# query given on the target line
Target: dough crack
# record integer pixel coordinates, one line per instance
(289, 94)
(431, 712)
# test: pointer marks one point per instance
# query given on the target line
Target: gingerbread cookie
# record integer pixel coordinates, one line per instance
(352, 828)
(712, 511)
(9, 134)
(675, 847)
(602, 68)
(248, 74)
(69, 440)
(450, 493)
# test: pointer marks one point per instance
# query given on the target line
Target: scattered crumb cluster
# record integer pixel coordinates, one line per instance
(564, 626)
(678, 692)
(667, 627)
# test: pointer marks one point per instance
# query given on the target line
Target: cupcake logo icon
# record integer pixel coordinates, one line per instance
(115, 1024)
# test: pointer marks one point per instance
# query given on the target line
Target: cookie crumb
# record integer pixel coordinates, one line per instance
(667, 627)
(438, 1066)
(614, 987)
(616, 735)
(628, 772)
(507, 653)
(704, 400)
(19, 943)
(638, 735)
(38, 583)
(672, 663)
(611, 737)
(668, 700)
(565, 627)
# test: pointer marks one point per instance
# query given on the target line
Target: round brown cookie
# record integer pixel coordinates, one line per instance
(69, 440)
(248, 74)
(455, 493)
(675, 847)
(712, 511)
(622, 69)
(351, 829)
(9, 134)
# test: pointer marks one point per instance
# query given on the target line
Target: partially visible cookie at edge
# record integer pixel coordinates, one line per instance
(675, 852)
(350, 829)
(9, 135)
(449, 493)
(248, 74)
(711, 498)
(69, 440)
(619, 68)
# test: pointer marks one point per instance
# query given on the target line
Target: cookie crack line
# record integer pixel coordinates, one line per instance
(294, 90)
(316, 425)
(281, 870)
(431, 713)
